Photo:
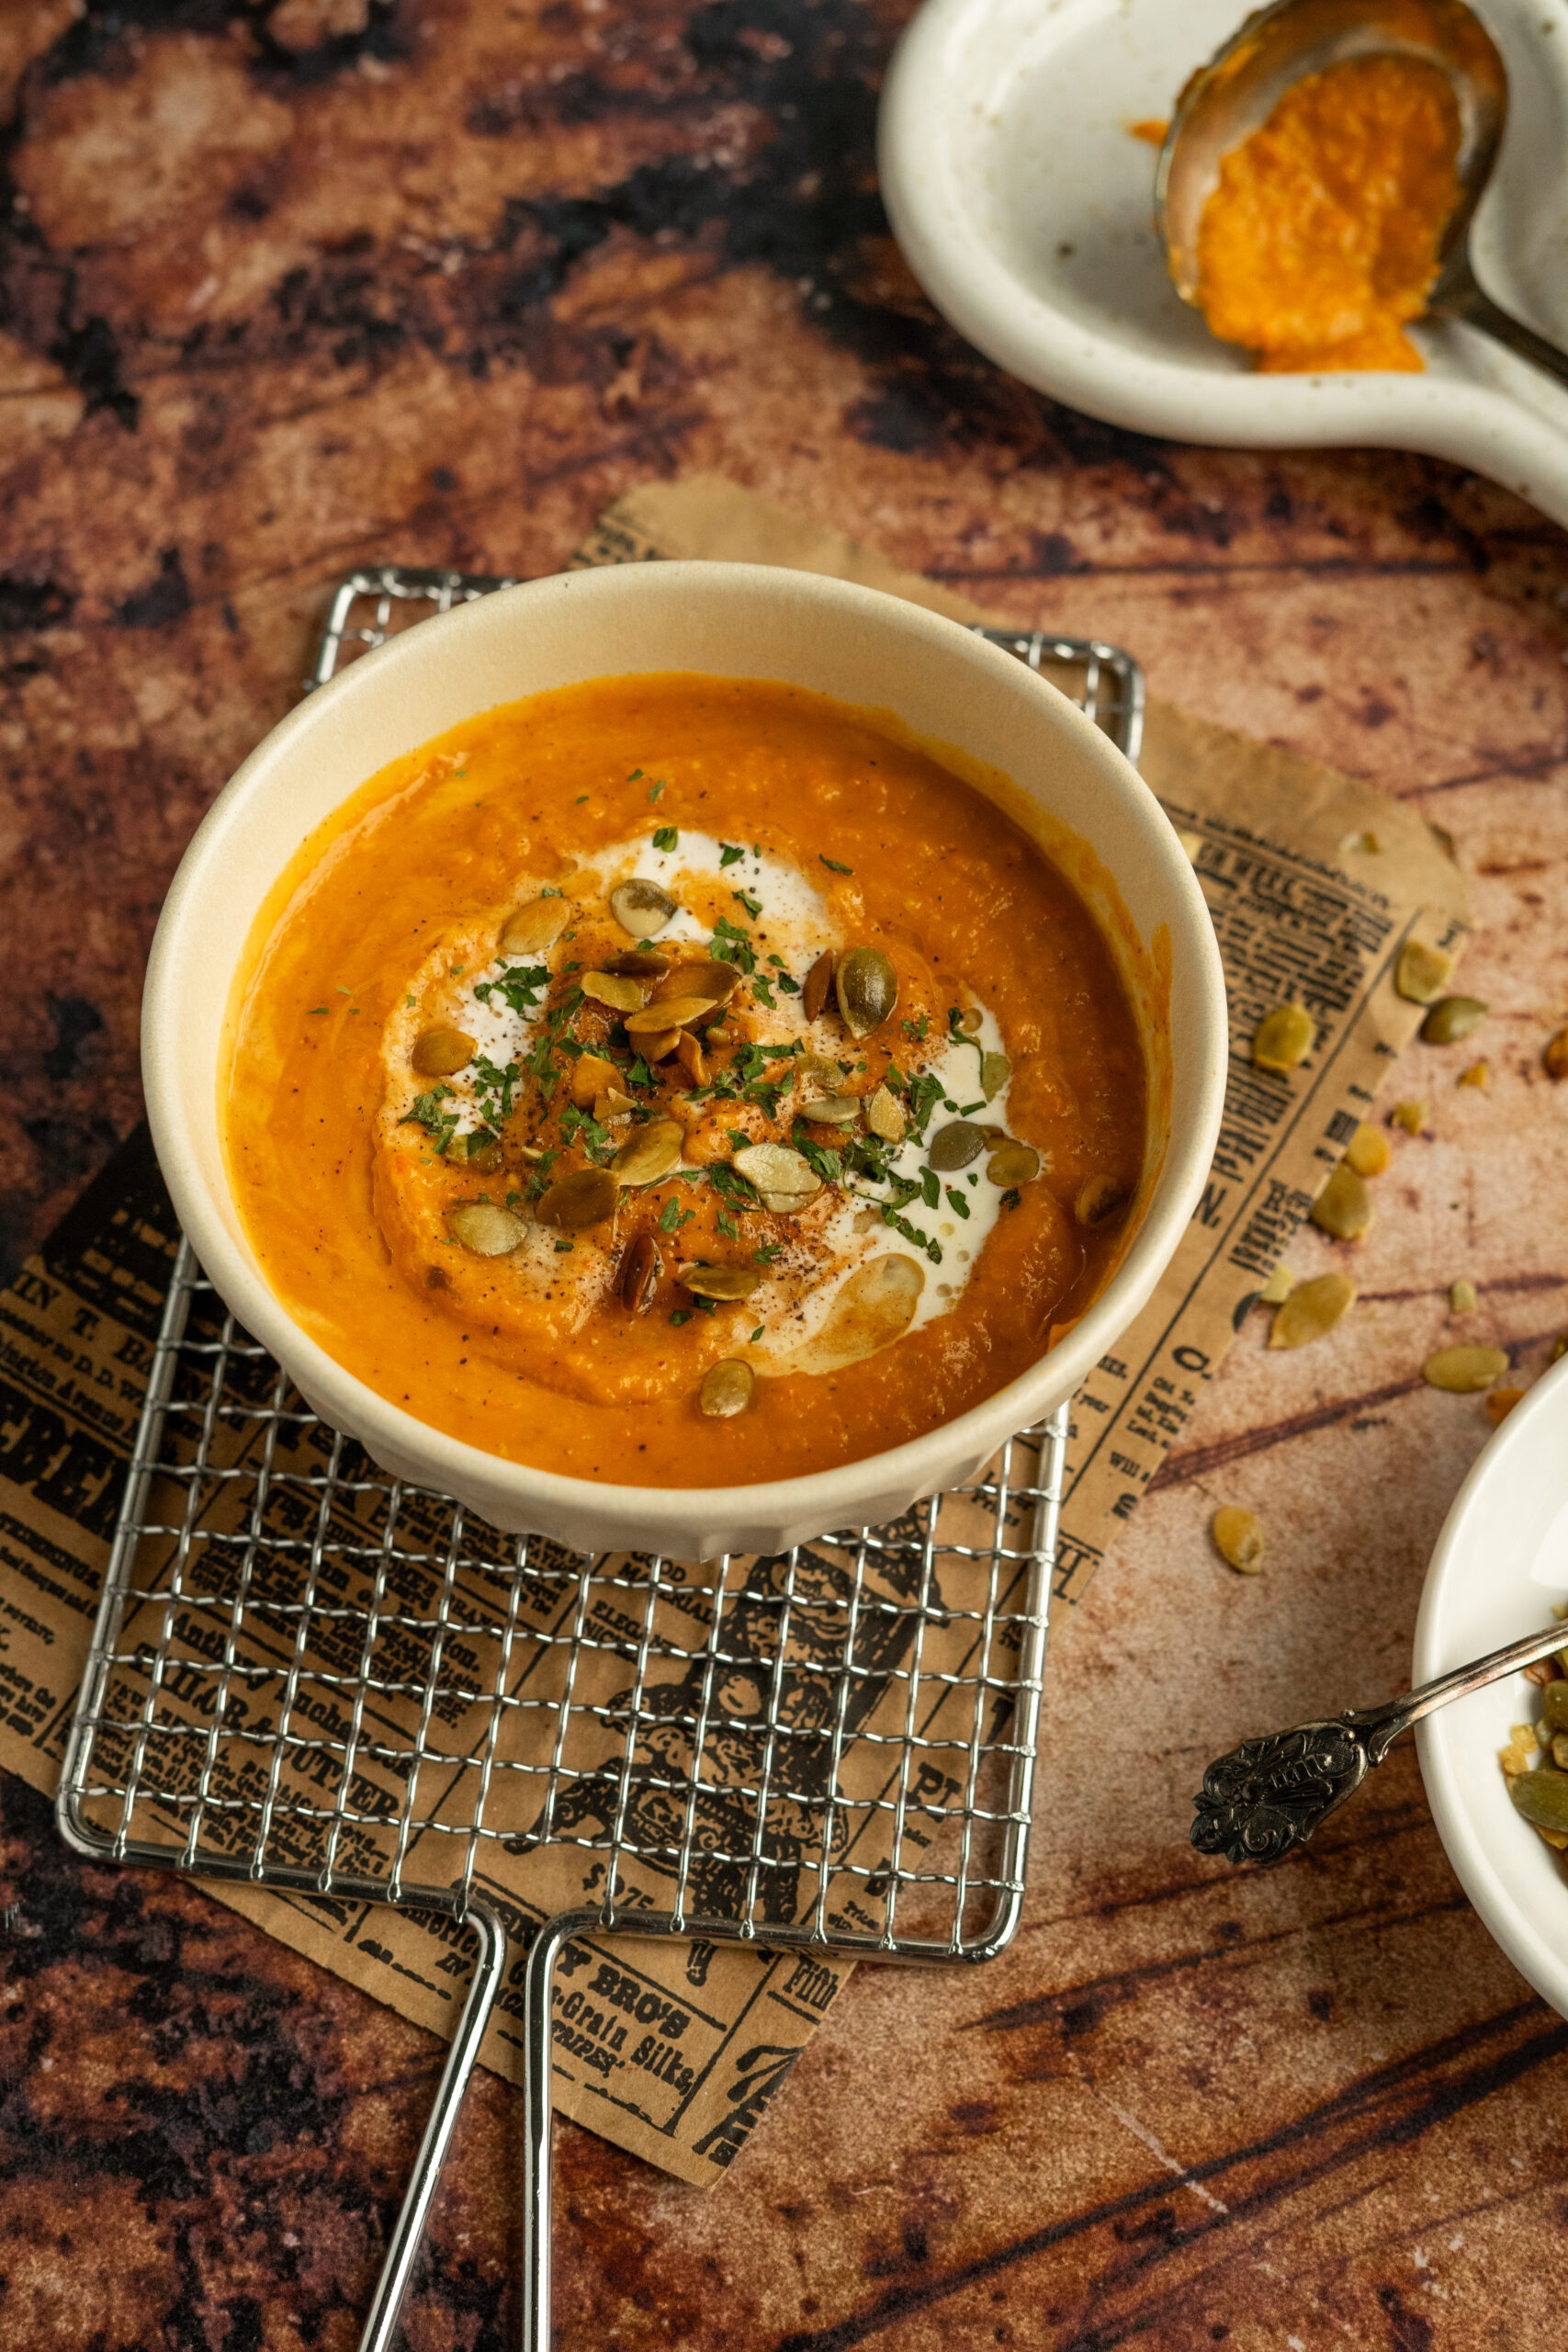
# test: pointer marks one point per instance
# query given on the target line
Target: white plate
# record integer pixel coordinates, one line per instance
(1024, 207)
(1501, 1561)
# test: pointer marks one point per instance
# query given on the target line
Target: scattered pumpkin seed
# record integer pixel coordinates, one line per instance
(867, 990)
(670, 1012)
(954, 1146)
(1013, 1163)
(775, 1168)
(787, 1203)
(441, 1052)
(584, 1197)
(1464, 1372)
(1476, 1075)
(1278, 1287)
(884, 1117)
(995, 1072)
(1461, 1299)
(639, 963)
(1554, 1696)
(1369, 1150)
(1410, 1115)
(641, 907)
(533, 926)
(1554, 1054)
(726, 1389)
(1451, 1018)
(1344, 1208)
(661, 1046)
(640, 1270)
(488, 1231)
(714, 982)
(1500, 1403)
(815, 988)
(1238, 1539)
(1542, 1797)
(720, 1282)
(484, 1153)
(591, 1074)
(1100, 1198)
(612, 1104)
(612, 989)
(1421, 971)
(832, 1110)
(692, 1061)
(653, 1152)
(1312, 1309)
(1283, 1038)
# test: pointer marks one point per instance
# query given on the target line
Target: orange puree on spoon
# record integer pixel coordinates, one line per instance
(1322, 237)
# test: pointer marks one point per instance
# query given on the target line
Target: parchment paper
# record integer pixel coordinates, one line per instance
(675, 2050)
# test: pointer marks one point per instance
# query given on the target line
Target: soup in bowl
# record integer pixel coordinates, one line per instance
(685, 1056)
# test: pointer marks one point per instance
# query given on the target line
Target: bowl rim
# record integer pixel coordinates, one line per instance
(374, 1419)
(1472, 1532)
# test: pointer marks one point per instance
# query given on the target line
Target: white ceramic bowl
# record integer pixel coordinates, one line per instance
(1025, 209)
(738, 620)
(1501, 1562)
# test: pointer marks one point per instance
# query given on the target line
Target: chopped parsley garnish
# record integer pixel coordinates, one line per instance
(635, 776)
(728, 854)
(832, 864)
(674, 1216)
(818, 1159)
(655, 789)
(548, 891)
(321, 1008)
(967, 1110)
(916, 1029)
(408, 1001)
(520, 986)
(681, 1314)
(957, 1202)
(426, 1112)
(930, 1190)
(762, 989)
(731, 1185)
(579, 801)
(493, 1088)
(730, 944)
(766, 1251)
(727, 1224)
(744, 898)
(912, 1233)
(667, 837)
(922, 1094)
(756, 1335)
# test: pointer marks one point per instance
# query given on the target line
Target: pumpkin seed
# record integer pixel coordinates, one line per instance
(884, 1117)
(1344, 1208)
(1369, 1150)
(1476, 1075)
(621, 994)
(1541, 1796)
(1554, 1054)
(1312, 1309)
(954, 1146)
(969, 1020)
(720, 1282)
(1421, 971)
(441, 1052)
(591, 1075)
(690, 1056)
(641, 907)
(1013, 1163)
(1464, 1372)
(775, 1168)
(817, 981)
(1278, 1287)
(1500, 1403)
(640, 1270)
(660, 1047)
(1283, 1038)
(585, 1197)
(995, 1072)
(1451, 1018)
(820, 1070)
(1410, 1116)
(714, 982)
(726, 1389)
(1238, 1539)
(670, 1013)
(651, 1153)
(638, 964)
(875, 1307)
(533, 926)
(1098, 1201)
(488, 1231)
(1461, 1299)
(612, 1104)
(867, 990)
(484, 1153)
(787, 1204)
(830, 1110)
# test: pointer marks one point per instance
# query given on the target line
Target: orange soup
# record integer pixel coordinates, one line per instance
(1321, 242)
(681, 1082)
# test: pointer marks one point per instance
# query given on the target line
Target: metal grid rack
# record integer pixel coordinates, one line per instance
(307, 1676)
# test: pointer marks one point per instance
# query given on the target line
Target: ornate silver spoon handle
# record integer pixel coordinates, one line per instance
(1269, 1794)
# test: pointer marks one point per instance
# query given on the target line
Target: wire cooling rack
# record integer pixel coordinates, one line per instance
(310, 1677)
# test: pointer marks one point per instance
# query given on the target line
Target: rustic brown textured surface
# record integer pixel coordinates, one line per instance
(430, 279)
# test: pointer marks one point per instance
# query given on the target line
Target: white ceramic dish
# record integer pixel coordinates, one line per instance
(1501, 1562)
(1025, 209)
(740, 620)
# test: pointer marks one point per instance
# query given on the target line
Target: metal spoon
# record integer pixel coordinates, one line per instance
(1271, 1793)
(1236, 92)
